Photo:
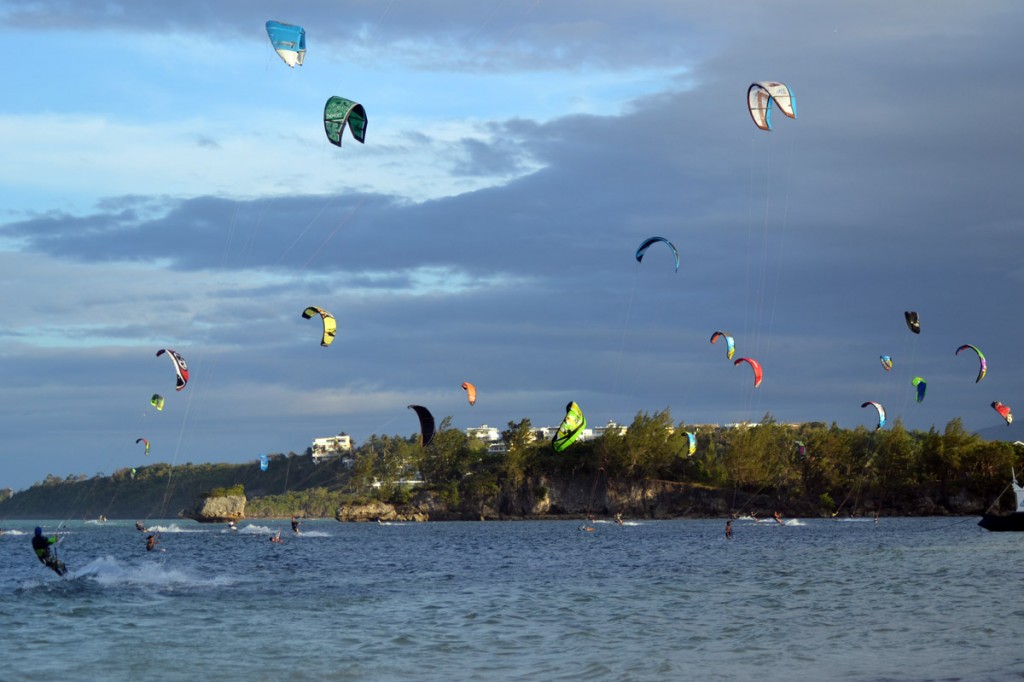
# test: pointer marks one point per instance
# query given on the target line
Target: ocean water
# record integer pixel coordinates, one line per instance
(902, 599)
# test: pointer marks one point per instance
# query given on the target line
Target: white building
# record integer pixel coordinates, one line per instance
(485, 433)
(610, 426)
(492, 436)
(332, 447)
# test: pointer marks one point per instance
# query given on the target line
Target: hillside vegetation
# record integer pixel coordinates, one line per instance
(892, 471)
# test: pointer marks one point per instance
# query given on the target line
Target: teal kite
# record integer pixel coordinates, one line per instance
(289, 41)
(651, 240)
(340, 111)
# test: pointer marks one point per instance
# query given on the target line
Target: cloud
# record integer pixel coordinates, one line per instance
(497, 246)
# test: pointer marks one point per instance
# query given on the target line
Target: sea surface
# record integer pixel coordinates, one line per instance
(816, 599)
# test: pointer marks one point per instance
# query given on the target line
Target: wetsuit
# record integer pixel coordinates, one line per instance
(41, 545)
(295, 526)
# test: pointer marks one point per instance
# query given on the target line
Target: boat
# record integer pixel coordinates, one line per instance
(1014, 521)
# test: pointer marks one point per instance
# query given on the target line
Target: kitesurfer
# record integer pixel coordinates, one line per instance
(41, 545)
(728, 529)
(151, 543)
(778, 519)
(276, 538)
(618, 518)
(295, 525)
(232, 526)
(139, 527)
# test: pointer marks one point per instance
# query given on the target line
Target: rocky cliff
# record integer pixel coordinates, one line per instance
(542, 497)
(216, 509)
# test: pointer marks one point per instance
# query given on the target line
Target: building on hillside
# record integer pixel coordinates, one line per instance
(332, 447)
(485, 433)
(492, 436)
(610, 426)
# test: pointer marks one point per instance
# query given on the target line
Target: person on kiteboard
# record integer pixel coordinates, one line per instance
(139, 527)
(295, 525)
(728, 529)
(41, 545)
(151, 542)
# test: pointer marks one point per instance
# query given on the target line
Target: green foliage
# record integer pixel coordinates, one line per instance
(234, 491)
(860, 467)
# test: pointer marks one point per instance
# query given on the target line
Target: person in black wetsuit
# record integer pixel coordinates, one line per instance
(41, 545)
(295, 525)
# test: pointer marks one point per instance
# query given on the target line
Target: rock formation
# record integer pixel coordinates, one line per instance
(219, 509)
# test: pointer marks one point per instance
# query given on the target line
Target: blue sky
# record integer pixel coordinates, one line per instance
(168, 185)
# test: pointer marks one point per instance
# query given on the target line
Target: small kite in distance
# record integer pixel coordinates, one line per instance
(881, 412)
(764, 96)
(913, 321)
(330, 324)
(289, 42)
(426, 423)
(339, 112)
(921, 386)
(180, 368)
(570, 429)
(1004, 411)
(982, 366)
(755, 365)
(730, 343)
(651, 240)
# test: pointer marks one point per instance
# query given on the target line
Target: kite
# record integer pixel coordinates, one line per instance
(693, 443)
(470, 392)
(886, 361)
(881, 412)
(289, 41)
(264, 462)
(337, 112)
(179, 366)
(1004, 411)
(913, 322)
(426, 423)
(647, 242)
(143, 440)
(330, 324)
(157, 401)
(761, 98)
(921, 387)
(572, 426)
(981, 358)
(755, 365)
(730, 343)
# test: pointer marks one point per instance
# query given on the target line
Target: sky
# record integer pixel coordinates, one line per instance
(167, 183)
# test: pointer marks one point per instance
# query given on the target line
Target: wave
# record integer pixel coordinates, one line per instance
(173, 528)
(108, 571)
(255, 530)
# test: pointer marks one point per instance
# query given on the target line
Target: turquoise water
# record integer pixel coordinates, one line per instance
(903, 599)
